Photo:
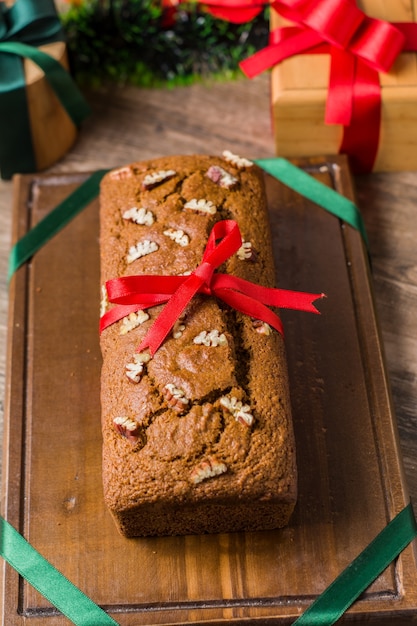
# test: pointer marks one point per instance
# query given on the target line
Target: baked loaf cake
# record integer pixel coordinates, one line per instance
(198, 438)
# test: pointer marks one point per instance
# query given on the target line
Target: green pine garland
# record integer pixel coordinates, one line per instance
(131, 42)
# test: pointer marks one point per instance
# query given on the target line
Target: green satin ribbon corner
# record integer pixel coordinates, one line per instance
(324, 611)
(24, 26)
(52, 223)
(46, 579)
(343, 592)
(363, 570)
(326, 197)
(280, 168)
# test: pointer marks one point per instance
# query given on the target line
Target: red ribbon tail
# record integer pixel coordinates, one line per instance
(286, 43)
(280, 298)
(249, 306)
(299, 300)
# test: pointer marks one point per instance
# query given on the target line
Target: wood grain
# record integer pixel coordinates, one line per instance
(130, 124)
(388, 203)
(351, 480)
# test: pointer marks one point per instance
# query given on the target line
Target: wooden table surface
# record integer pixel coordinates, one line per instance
(132, 124)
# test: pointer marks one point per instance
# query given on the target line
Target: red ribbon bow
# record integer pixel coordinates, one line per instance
(132, 293)
(360, 46)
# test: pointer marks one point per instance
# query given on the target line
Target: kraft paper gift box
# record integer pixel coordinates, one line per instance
(53, 131)
(299, 87)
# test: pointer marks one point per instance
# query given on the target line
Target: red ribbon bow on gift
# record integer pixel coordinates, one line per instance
(132, 293)
(360, 46)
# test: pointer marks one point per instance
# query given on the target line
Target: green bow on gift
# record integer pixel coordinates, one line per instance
(23, 27)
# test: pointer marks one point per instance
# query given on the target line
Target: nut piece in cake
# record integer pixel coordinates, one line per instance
(202, 206)
(222, 178)
(208, 468)
(175, 397)
(178, 328)
(121, 174)
(135, 369)
(127, 428)
(247, 252)
(241, 412)
(139, 216)
(104, 301)
(152, 180)
(141, 249)
(261, 327)
(212, 338)
(179, 236)
(236, 160)
(133, 320)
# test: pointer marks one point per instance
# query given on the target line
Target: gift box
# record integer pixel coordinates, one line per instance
(40, 105)
(53, 131)
(300, 86)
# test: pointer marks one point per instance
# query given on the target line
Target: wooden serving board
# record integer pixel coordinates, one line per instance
(350, 474)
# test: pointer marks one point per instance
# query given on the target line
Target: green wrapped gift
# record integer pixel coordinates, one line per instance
(40, 105)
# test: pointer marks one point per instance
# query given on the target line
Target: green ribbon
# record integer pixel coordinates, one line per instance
(46, 579)
(341, 594)
(24, 26)
(326, 197)
(280, 168)
(325, 611)
(52, 223)
(353, 581)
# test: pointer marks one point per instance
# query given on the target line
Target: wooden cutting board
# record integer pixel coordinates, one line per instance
(350, 474)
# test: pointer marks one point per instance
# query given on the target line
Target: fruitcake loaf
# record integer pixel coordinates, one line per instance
(198, 437)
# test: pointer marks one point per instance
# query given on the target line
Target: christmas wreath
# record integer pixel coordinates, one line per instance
(144, 43)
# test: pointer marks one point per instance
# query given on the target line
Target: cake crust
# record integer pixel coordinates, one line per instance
(199, 437)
